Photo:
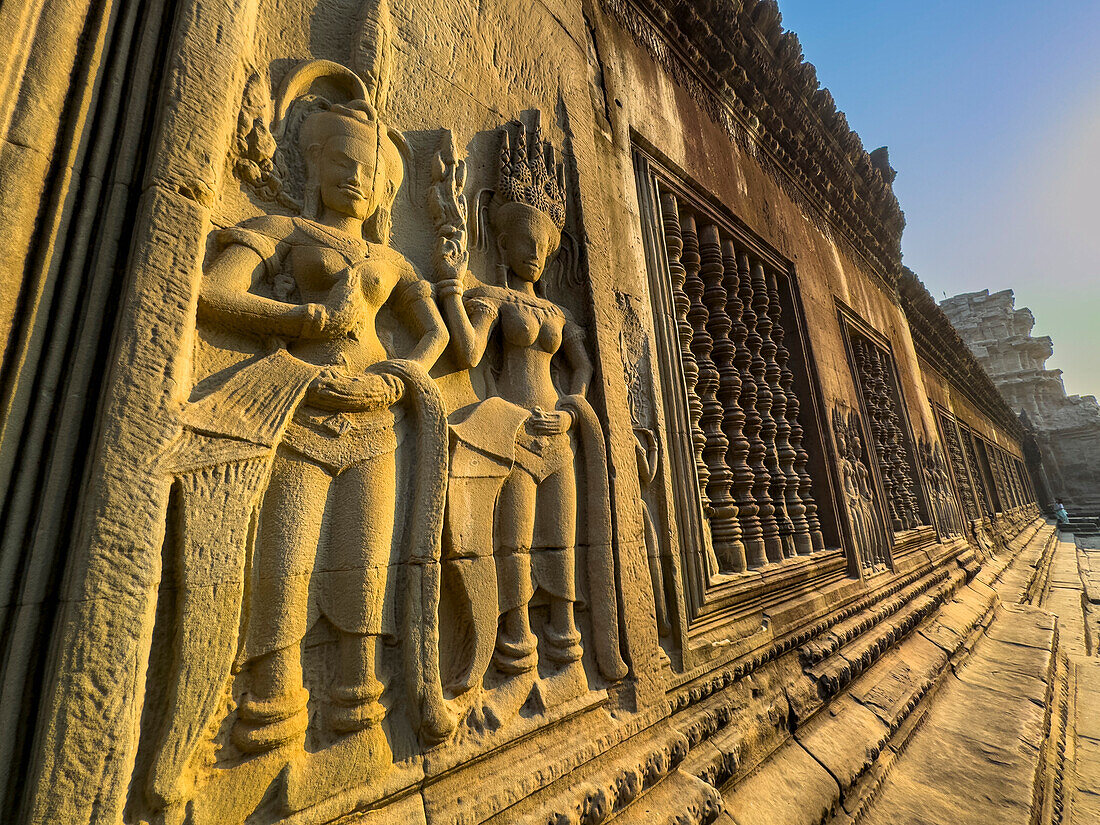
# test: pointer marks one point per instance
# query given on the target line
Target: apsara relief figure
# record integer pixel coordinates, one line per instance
(867, 531)
(513, 494)
(290, 495)
(945, 510)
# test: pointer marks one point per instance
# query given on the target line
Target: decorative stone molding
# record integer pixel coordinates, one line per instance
(750, 76)
(938, 342)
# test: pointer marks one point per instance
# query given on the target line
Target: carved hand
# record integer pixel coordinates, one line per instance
(346, 304)
(314, 317)
(550, 423)
(363, 393)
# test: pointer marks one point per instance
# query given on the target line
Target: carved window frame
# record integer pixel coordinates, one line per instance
(853, 327)
(971, 442)
(711, 601)
(965, 489)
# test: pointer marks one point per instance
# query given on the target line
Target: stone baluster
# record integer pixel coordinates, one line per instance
(781, 458)
(748, 350)
(898, 462)
(958, 467)
(718, 361)
(674, 248)
(976, 473)
(805, 486)
(727, 349)
(1009, 486)
(1017, 483)
(786, 441)
(763, 350)
(998, 479)
(1013, 489)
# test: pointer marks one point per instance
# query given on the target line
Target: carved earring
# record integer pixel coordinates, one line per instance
(501, 266)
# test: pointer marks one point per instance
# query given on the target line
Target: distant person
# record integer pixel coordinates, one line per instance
(1060, 512)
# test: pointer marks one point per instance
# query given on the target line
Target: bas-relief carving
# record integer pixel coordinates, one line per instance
(287, 471)
(517, 452)
(634, 345)
(945, 508)
(868, 531)
(330, 499)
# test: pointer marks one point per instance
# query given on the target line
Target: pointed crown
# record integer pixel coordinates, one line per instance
(531, 174)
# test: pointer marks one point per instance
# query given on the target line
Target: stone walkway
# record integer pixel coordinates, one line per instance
(1014, 735)
(1074, 595)
(978, 749)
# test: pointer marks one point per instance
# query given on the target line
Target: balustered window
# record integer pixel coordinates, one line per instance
(897, 466)
(742, 418)
(982, 482)
(961, 473)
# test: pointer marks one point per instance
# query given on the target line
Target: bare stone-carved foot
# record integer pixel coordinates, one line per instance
(493, 709)
(482, 718)
(517, 656)
(563, 648)
(265, 724)
(562, 686)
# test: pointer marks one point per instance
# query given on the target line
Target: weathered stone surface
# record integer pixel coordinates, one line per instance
(413, 412)
(976, 755)
(795, 789)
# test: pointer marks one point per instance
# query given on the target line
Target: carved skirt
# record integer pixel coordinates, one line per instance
(338, 440)
(326, 528)
(537, 521)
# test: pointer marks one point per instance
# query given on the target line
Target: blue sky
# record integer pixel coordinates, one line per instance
(991, 111)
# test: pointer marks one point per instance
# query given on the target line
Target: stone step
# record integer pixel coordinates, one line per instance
(1083, 774)
(975, 759)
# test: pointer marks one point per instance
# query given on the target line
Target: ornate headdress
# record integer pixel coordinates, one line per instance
(273, 160)
(531, 174)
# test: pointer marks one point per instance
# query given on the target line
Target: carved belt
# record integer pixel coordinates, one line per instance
(338, 441)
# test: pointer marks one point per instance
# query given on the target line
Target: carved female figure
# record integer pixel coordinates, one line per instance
(316, 417)
(525, 431)
(857, 490)
(327, 519)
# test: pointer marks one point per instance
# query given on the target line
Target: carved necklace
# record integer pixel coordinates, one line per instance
(353, 250)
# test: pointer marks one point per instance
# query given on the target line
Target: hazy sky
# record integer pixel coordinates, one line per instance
(991, 110)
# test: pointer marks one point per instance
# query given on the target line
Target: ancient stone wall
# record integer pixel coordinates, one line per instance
(1067, 427)
(506, 412)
